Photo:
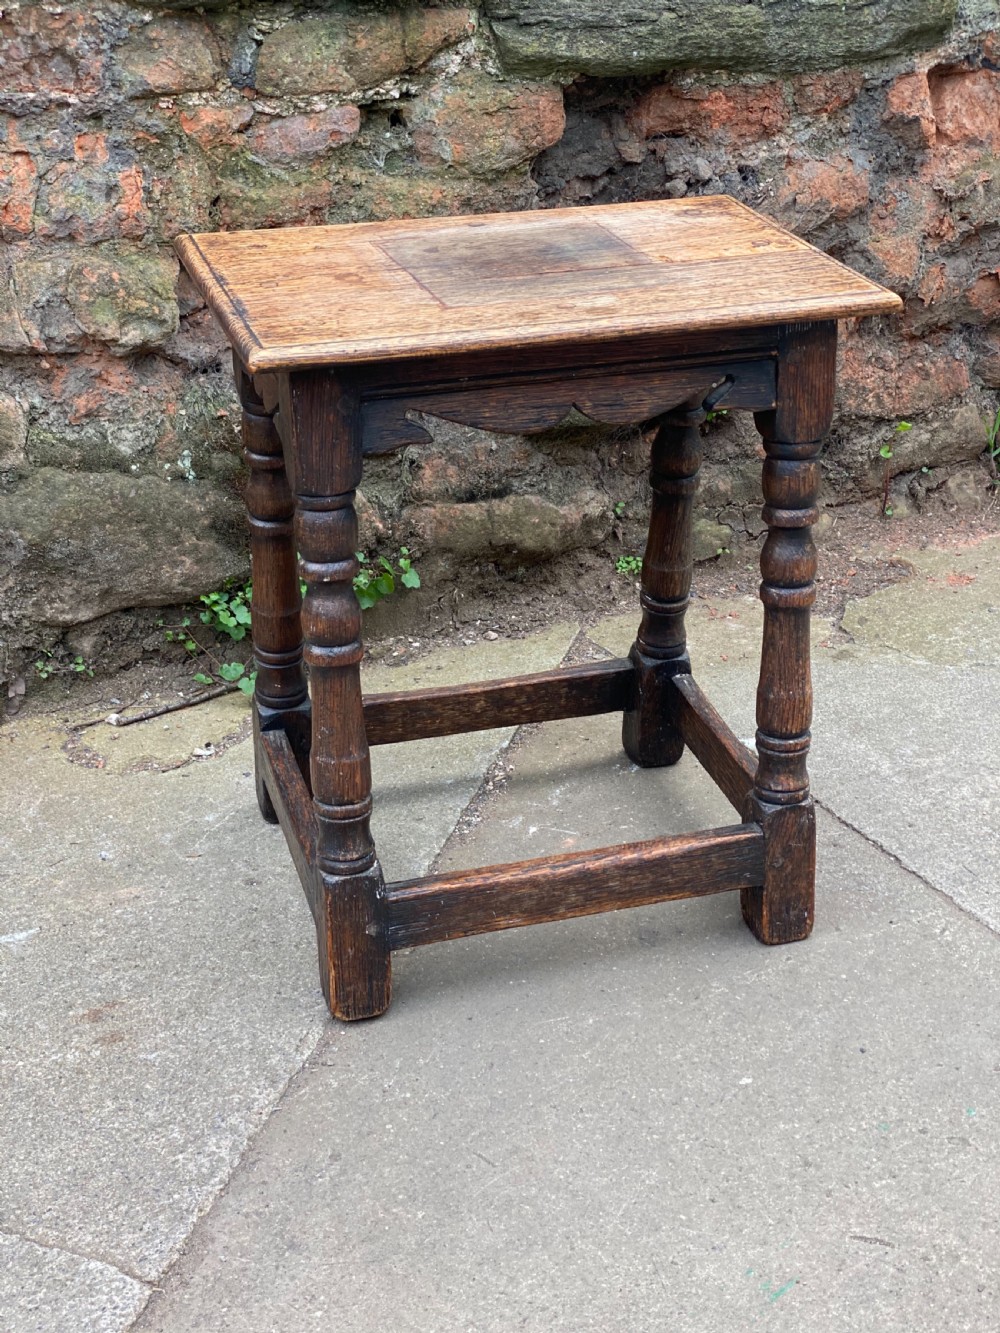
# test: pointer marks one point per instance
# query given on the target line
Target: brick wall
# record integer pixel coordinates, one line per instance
(121, 126)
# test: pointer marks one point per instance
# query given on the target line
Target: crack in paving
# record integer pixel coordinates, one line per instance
(898, 860)
(78, 1254)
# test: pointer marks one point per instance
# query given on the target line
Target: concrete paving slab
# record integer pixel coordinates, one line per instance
(49, 1291)
(634, 1122)
(158, 959)
(906, 729)
(948, 612)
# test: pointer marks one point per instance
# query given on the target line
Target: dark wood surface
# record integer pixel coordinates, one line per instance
(309, 296)
(728, 762)
(472, 902)
(597, 687)
(781, 909)
(293, 806)
(650, 736)
(538, 402)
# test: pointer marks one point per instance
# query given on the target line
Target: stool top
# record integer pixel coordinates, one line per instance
(375, 291)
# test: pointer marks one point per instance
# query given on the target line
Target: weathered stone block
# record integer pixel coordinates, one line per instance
(215, 126)
(49, 53)
(769, 36)
(13, 432)
(74, 546)
(117, 294)
(909, 111)
(893, 379)
(476, 124)
(169, 55)
(94, 197)
(346, 50)
(362, 196)
(301, 138)
(825, 94)
(251, 193)
(522, 528)
(816, 192)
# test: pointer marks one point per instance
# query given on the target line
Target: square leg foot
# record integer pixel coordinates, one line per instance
(650, 733)
(354, 958)
(781, 910)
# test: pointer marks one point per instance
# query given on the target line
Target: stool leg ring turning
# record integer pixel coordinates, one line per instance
(350, 890)
(650, 735)
(781, 910)
(280, 696)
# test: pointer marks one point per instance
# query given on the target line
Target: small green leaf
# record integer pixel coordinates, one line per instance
(190, 645)
(410, 578)
(885, 451)
(246, 685)
(903, 426)
(231, 670)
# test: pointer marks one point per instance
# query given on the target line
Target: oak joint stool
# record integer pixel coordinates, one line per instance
(644, 313)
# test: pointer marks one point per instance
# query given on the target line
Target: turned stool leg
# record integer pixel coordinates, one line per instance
(321, 421)
(649, 732)
(280, 698)
(782, 909)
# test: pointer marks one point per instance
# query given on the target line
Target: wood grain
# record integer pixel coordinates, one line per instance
(294, 808)
(313, 296)
(581, 691)
(472, 902)
(726, 760)
(650, 736)
(614, 397)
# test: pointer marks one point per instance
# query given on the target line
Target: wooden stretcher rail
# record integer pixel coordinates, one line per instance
(726, 760)
(293, 805)
(447, 907)
(597, 687)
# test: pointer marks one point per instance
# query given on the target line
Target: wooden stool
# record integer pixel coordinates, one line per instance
(637, 313)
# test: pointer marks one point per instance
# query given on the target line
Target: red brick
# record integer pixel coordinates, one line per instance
(816, 192)
(168, 56)
(215, 126)
(18, 189)
(967, 106)
(737, 114)
(299, 138)
(879, 377)
(909, 112)
(45, 53)
(983, 298)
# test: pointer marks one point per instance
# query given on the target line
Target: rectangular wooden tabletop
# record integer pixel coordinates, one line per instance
(375, 291)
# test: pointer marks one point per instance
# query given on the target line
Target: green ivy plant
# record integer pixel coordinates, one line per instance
(227, 613)
(992, 428)
(376, 579)
(901, 427)
(49, 665)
